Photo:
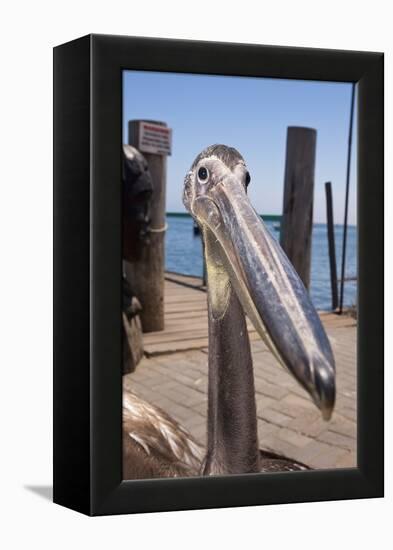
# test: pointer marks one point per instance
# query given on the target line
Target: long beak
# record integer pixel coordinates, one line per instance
(270, 290)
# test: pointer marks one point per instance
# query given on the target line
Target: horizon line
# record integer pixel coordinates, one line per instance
(266, 217)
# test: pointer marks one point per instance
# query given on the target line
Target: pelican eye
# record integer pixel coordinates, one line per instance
(203, 174)
(248, 178)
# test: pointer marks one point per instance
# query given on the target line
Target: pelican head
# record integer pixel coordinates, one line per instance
(243, 254)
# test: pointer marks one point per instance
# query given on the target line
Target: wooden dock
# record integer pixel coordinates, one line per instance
(173, 375)
(186, 318)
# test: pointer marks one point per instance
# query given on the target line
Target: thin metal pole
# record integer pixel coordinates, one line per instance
(331, 244)
(346, 200)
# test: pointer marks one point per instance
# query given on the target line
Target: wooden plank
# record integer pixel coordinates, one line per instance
(185, 300)
(171, 336)
(186, 324)
(186, 315)
(187, 279)
(174, 308)
(177, 334)
(174, 346)
(179, 345)
(196, 297)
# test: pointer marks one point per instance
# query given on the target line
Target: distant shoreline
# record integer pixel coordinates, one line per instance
(266, 217)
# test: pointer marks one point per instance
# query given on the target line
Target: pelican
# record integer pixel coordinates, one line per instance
(248, 273)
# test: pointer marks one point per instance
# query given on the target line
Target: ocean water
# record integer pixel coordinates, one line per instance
(184, 255)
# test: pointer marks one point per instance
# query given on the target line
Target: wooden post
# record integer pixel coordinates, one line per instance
(146, 276)
(331, 244)
(296, 226)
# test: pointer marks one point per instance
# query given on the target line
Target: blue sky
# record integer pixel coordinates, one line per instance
(251, 114)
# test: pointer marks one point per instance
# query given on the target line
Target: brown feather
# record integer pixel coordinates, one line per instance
(155, 445)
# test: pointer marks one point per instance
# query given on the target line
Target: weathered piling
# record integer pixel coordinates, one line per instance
(296, 226)
(146, 276)
(331, 244)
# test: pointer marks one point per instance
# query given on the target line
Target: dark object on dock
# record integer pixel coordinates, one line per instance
(147, 274)
(331, 244)
(137, 196)
(296, 226)
(132, 329)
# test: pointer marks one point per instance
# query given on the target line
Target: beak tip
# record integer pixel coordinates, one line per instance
(326, 390)
(327, 412)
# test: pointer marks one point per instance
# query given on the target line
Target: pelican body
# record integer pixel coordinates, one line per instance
(248, 273)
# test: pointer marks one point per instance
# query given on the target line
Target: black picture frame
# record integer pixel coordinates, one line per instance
(87, 274)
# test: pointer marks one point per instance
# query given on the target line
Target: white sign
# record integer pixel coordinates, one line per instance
(154, 138)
